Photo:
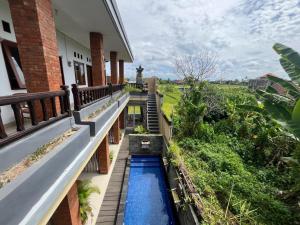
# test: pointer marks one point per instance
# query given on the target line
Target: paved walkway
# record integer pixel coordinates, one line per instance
(109, 207)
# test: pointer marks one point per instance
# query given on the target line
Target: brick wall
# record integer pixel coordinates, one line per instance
(121, 71)
(114, 68)
(36, 37)
(97, 54)
(103, 156)
(68, 210)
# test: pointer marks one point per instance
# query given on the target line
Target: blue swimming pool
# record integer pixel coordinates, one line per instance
(147, 202)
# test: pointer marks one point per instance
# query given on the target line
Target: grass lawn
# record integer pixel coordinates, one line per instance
(170, 99)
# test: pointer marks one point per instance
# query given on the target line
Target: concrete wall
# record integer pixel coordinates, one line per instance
(185, 212)
(135, 143)
(151, 84)
(165, 126)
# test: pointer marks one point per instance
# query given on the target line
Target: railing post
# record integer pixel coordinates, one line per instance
(44, 109)
(110, 88)
(18, 116)
(2, 130)
(67, 99)
(32, 112)
(76, 97)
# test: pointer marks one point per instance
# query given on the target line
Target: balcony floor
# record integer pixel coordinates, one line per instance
(108, 212)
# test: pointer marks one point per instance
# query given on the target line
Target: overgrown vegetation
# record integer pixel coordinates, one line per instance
(243, 160)
(171, 95)
(140, 129)
(111, 156)
(11, 173)
(235, 157)
(129, 88)
(85, 189)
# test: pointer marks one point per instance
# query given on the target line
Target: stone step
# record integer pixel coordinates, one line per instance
(153, 123)
(153, 119)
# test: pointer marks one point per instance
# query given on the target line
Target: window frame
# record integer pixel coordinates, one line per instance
(8, 56)
(79, 63)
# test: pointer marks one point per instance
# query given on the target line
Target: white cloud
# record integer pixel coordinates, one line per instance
(242, 32)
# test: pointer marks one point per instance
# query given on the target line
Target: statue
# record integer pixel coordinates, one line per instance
(139, 75)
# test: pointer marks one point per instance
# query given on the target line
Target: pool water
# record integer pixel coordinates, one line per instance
(147, 202)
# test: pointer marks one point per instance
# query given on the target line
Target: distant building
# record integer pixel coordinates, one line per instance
(262, 82)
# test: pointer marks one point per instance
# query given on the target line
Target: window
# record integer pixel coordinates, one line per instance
(6, 26)
(79, 73)
(13, 65)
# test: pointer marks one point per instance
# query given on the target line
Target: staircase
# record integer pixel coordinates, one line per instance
(153, 125)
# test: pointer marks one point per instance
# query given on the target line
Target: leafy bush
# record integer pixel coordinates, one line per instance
(140, 130)
(111, 156)
(219, 171)
(85, 189)
(235, 156)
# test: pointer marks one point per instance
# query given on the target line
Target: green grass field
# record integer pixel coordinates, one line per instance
(171, 97)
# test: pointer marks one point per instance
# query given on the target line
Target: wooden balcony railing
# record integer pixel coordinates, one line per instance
(41, 107)
(86, 96)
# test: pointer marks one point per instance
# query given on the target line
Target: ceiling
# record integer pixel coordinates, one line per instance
(77, 18)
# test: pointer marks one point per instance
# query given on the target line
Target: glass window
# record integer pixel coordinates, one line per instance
(79, 73)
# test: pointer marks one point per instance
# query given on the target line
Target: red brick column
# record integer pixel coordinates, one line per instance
(121, 71)
(68, 210)
(97, 54)
(113, 68)
(122, 120)
(36, 37)
(103, 156)
(116, 131)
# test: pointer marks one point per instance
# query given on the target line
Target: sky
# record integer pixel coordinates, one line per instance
(240, 32)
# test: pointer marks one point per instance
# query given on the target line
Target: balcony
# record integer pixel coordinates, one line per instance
(48, 174)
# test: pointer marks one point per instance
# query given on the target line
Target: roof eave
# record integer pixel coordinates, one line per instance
(112, 8)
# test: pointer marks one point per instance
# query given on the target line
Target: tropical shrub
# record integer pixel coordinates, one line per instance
(140, 129)
(85, 189)
(286, 108)
(235, 160)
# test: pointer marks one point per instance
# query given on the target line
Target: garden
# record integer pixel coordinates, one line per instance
(241, 148)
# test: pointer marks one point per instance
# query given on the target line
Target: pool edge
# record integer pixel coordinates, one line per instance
(122, 201)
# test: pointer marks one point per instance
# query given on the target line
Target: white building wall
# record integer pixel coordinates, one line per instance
(66, 45)
(5, 89)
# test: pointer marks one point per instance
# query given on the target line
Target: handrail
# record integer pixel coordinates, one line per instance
(85, 96)
(42, 108)
(135, 85)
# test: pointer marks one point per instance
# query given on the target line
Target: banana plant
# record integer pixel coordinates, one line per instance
(285, 107)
